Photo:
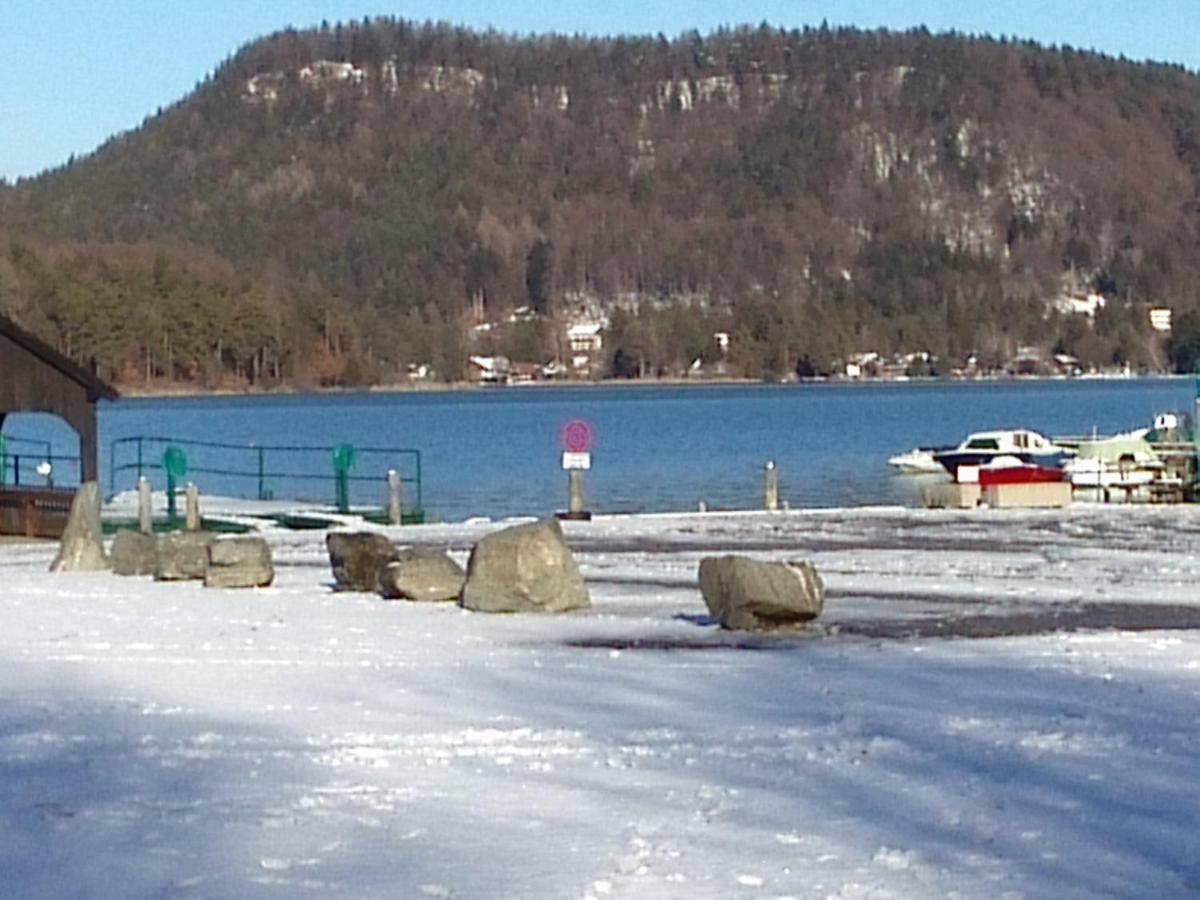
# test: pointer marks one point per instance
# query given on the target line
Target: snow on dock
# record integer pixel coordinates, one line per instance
(172, 740)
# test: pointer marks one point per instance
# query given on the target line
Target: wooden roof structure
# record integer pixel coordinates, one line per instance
(34, 377)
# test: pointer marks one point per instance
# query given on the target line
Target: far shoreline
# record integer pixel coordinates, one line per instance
(185, 392)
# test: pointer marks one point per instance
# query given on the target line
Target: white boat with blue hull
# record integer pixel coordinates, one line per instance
(983, 447)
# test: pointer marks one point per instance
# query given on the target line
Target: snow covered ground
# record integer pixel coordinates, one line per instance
(163, 740)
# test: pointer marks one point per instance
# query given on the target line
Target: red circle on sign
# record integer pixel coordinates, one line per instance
(577, 437)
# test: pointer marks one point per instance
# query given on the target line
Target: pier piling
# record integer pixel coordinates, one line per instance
(395, 498)
(145, 514)
(770, 486)
(192, 513)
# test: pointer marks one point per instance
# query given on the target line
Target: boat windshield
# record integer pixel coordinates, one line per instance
(983, 444)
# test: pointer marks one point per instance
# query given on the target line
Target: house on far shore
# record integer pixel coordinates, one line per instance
(488, 369)
(525, 372)
(586, 340)
(1028, 361)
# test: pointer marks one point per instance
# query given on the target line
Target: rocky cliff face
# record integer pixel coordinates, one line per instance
(887, 179)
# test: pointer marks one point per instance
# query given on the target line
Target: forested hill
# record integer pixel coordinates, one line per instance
(335, 205)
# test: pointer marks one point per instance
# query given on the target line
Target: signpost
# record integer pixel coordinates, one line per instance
(576, 459)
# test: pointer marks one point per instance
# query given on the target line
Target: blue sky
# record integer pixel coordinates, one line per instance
(78, 71)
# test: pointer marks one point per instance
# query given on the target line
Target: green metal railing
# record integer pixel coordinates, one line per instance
(266, 471)
(18, 455)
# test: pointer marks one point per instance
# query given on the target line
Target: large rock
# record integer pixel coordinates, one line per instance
(358, 559)
(182, 555)
(239, 562)
(747, 595)
(134, 553)
(425, 576)
(525, 568)
(82, 545)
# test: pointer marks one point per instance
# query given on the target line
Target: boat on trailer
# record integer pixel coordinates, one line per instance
(1011, 470)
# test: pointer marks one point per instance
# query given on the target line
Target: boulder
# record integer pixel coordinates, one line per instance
(82, 545)
(239, 562)
(134, 553)
(747, 595)
(525, 568)
(182, 555)
(358, 559)
(422, 575)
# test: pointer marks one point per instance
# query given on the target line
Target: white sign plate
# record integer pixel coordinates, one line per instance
(577, 460)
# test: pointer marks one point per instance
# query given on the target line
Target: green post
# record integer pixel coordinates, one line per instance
(175, 465)
(343, 462)
(262, 468)
(420, 502)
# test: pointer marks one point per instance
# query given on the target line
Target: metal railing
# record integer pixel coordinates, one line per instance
(265, 471)
(20, 459)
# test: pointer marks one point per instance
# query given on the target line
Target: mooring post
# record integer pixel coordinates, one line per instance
(395, 498)
(575, 493)
(145, 515)
(343, 462)
(771, 486)
(192, 513)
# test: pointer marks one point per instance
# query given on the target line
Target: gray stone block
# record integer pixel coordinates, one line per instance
(239, 562)
(358, 559)
(182, 555)
(134, 553)
(82, 546)
(525, 568)
(744, 594)
(425, 576)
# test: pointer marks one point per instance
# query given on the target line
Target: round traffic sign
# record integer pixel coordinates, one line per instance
(577, 437)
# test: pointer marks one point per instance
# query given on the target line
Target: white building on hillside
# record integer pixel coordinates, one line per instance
(586, 340)
(1080, 304)
(1160, 319)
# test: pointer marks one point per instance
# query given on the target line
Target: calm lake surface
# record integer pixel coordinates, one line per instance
(497, 452)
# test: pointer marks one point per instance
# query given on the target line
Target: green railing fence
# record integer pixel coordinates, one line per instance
(20, 458)
(268, 471)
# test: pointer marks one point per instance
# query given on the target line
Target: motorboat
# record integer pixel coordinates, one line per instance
(1122, 461)
(918, 461)
(982, 447)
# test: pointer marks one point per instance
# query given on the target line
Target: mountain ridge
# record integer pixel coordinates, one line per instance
(383, 187)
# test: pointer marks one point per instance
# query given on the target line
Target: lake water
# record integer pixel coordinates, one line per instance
(497, 452)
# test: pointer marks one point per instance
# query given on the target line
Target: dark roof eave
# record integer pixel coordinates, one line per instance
(97, 389)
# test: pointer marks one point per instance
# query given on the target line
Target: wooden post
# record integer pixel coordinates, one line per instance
(771, 486)
(575, 493)
(192, 515)
(145, 515)
(575, 462)
(395, 498)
